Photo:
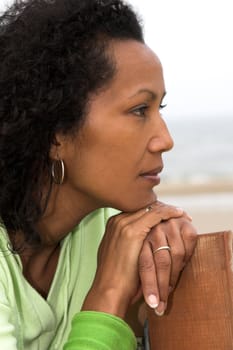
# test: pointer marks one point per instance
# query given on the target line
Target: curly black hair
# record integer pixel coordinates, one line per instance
(53, 55)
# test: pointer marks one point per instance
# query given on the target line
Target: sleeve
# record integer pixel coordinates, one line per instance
(93, 330)
(7, 338)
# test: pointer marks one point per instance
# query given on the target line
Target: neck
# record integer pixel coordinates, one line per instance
(39, 267)
(64, 211)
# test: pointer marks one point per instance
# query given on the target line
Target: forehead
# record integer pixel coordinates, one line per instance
(134, 52)
(137, 67)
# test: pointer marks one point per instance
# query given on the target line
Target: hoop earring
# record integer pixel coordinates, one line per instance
(58, 171)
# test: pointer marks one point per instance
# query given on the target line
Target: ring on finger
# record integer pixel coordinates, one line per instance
(164, 247)
(149, 208)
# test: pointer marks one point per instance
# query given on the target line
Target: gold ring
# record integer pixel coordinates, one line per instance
(164, 247)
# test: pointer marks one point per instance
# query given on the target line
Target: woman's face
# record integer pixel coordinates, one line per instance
(117, 157)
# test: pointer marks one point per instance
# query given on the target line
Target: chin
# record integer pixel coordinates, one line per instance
(137, 203)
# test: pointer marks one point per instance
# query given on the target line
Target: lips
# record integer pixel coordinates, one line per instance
(152, 172)
(152, 175)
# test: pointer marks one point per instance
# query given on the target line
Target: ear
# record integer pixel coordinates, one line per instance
(58, 146)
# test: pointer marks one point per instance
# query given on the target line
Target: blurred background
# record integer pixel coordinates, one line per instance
(194, 42)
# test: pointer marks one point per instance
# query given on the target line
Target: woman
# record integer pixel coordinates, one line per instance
(81, 131)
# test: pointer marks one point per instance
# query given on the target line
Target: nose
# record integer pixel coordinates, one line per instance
(161, 141)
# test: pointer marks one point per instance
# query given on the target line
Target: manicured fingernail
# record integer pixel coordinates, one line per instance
(160, 309)
(152, 301)
(159, 313)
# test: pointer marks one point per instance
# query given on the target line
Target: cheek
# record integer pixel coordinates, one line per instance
(110, 152)
(102, 168)
(110, 158)
(105, 163)
(108, 177)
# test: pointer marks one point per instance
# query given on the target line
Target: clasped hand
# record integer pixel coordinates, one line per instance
(129, 265)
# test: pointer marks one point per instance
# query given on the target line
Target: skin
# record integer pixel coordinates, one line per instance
(115, 161)
(119, 129)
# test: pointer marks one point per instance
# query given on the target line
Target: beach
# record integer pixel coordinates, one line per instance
(209, 204)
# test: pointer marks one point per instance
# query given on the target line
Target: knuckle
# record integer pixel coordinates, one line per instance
(175, 222)
(155, 234)
(178, 255)
(113, 220)
(163, 262)
(121, 224)
(145, 264)
(171, 227)
(133, 231)
(127, 230)
(190, 234)
(193, 235)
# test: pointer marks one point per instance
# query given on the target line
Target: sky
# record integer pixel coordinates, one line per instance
(193, 39)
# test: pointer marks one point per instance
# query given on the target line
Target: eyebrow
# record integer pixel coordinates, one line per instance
(153, 96)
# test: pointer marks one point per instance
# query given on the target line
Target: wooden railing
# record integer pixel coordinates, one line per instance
(200, 311)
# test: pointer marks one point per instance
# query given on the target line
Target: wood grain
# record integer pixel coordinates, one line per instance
(200, 311)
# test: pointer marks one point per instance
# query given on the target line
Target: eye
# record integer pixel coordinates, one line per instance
(140, 110)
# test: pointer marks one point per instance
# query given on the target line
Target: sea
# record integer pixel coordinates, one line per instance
(203, 150)
(202, 155)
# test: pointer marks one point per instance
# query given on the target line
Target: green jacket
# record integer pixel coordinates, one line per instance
(29, 322)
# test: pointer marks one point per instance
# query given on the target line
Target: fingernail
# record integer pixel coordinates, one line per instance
(159, 313)
(152, 301)
(180, 209)
(160, 309)
(190, 217)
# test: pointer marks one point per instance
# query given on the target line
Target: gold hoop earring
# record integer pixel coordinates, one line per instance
(58, 171)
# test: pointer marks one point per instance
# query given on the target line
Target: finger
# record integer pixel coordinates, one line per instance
(177, 251)
(162, 260)
(158, 213)
(147, 273)
(143, 220)
(126, 218)
(187, 216)
(189, 236)
(162, 210)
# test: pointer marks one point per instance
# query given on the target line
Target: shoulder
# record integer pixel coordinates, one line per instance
(10, 263)
(8, 267)
(4, 239)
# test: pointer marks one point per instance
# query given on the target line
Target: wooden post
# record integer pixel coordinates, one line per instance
(200, 311)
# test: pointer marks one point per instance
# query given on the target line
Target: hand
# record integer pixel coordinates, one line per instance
(117, 277)
(159, 271)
